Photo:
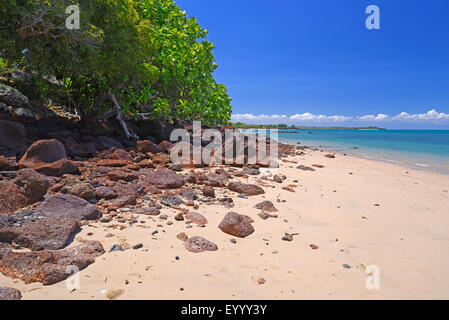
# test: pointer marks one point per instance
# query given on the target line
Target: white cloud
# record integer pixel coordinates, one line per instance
(432, 116)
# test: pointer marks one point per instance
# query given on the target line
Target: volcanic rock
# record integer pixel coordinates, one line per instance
(65, 205)
(170, 200)
(164, 179)
(35, 231)
(12, 136)
(196, 218)
(237, 225)
(10, 294)
(145, 146)
(266, 206)
(48, 266)
(208, 191)
(105, 193)
(248, 189)
(28, 187)
(198, 244)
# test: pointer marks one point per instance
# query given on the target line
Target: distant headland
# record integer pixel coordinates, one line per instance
(241, 125)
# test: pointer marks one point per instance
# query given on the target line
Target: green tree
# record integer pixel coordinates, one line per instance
(145, 58)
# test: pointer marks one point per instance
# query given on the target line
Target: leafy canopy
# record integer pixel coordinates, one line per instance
(148, 53)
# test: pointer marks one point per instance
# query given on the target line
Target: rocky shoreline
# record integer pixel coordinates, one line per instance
(55, 178)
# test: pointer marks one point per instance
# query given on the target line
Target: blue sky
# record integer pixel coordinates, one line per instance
(314, 62)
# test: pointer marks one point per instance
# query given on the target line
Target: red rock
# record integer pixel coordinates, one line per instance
(32, 184)
(105, 193)
(11, 198)
(125, 189)
(161, 158)
(198, 244)
(166, 146)
(164, 179)
(208, 191)
(248, 189)
(192, 177)
(10, 294)
(237, 225)
(65, 205)
(145, 146)
(7, 164)
(112, 163)
(122, 202)
(48, 157)
(80, 189)
(36, 231)
(154, 190)
(196, 218)
(277, 179)
(28, 187)
(58, 168)
(289, 189)
(330, 156)
(43, 151)
(117, 175)
(179, 217)
(266, 206)
(146, 164)
(48, 266)
(216, 180)
(120, 154)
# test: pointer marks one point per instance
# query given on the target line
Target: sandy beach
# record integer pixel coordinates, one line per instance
(358, 213)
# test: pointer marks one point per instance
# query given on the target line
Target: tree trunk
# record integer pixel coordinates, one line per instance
(128, 134)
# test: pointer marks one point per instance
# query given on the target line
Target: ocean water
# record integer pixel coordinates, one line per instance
(427, 149)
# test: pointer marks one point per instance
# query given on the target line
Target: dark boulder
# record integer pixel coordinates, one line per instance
(145, 146)
(35, 231)
(48, 266)
(248, 189)
(69, 206)
(164, 179)
(12, 97)
(26, 188)
(12, 136)
(237, 225)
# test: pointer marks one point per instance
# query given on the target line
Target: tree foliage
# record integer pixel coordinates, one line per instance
(148, 53)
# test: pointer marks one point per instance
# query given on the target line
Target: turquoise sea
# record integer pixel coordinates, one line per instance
(417, 148)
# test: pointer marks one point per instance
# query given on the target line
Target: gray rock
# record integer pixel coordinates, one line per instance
(13, 97)
(116, 247)
(171, 200)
